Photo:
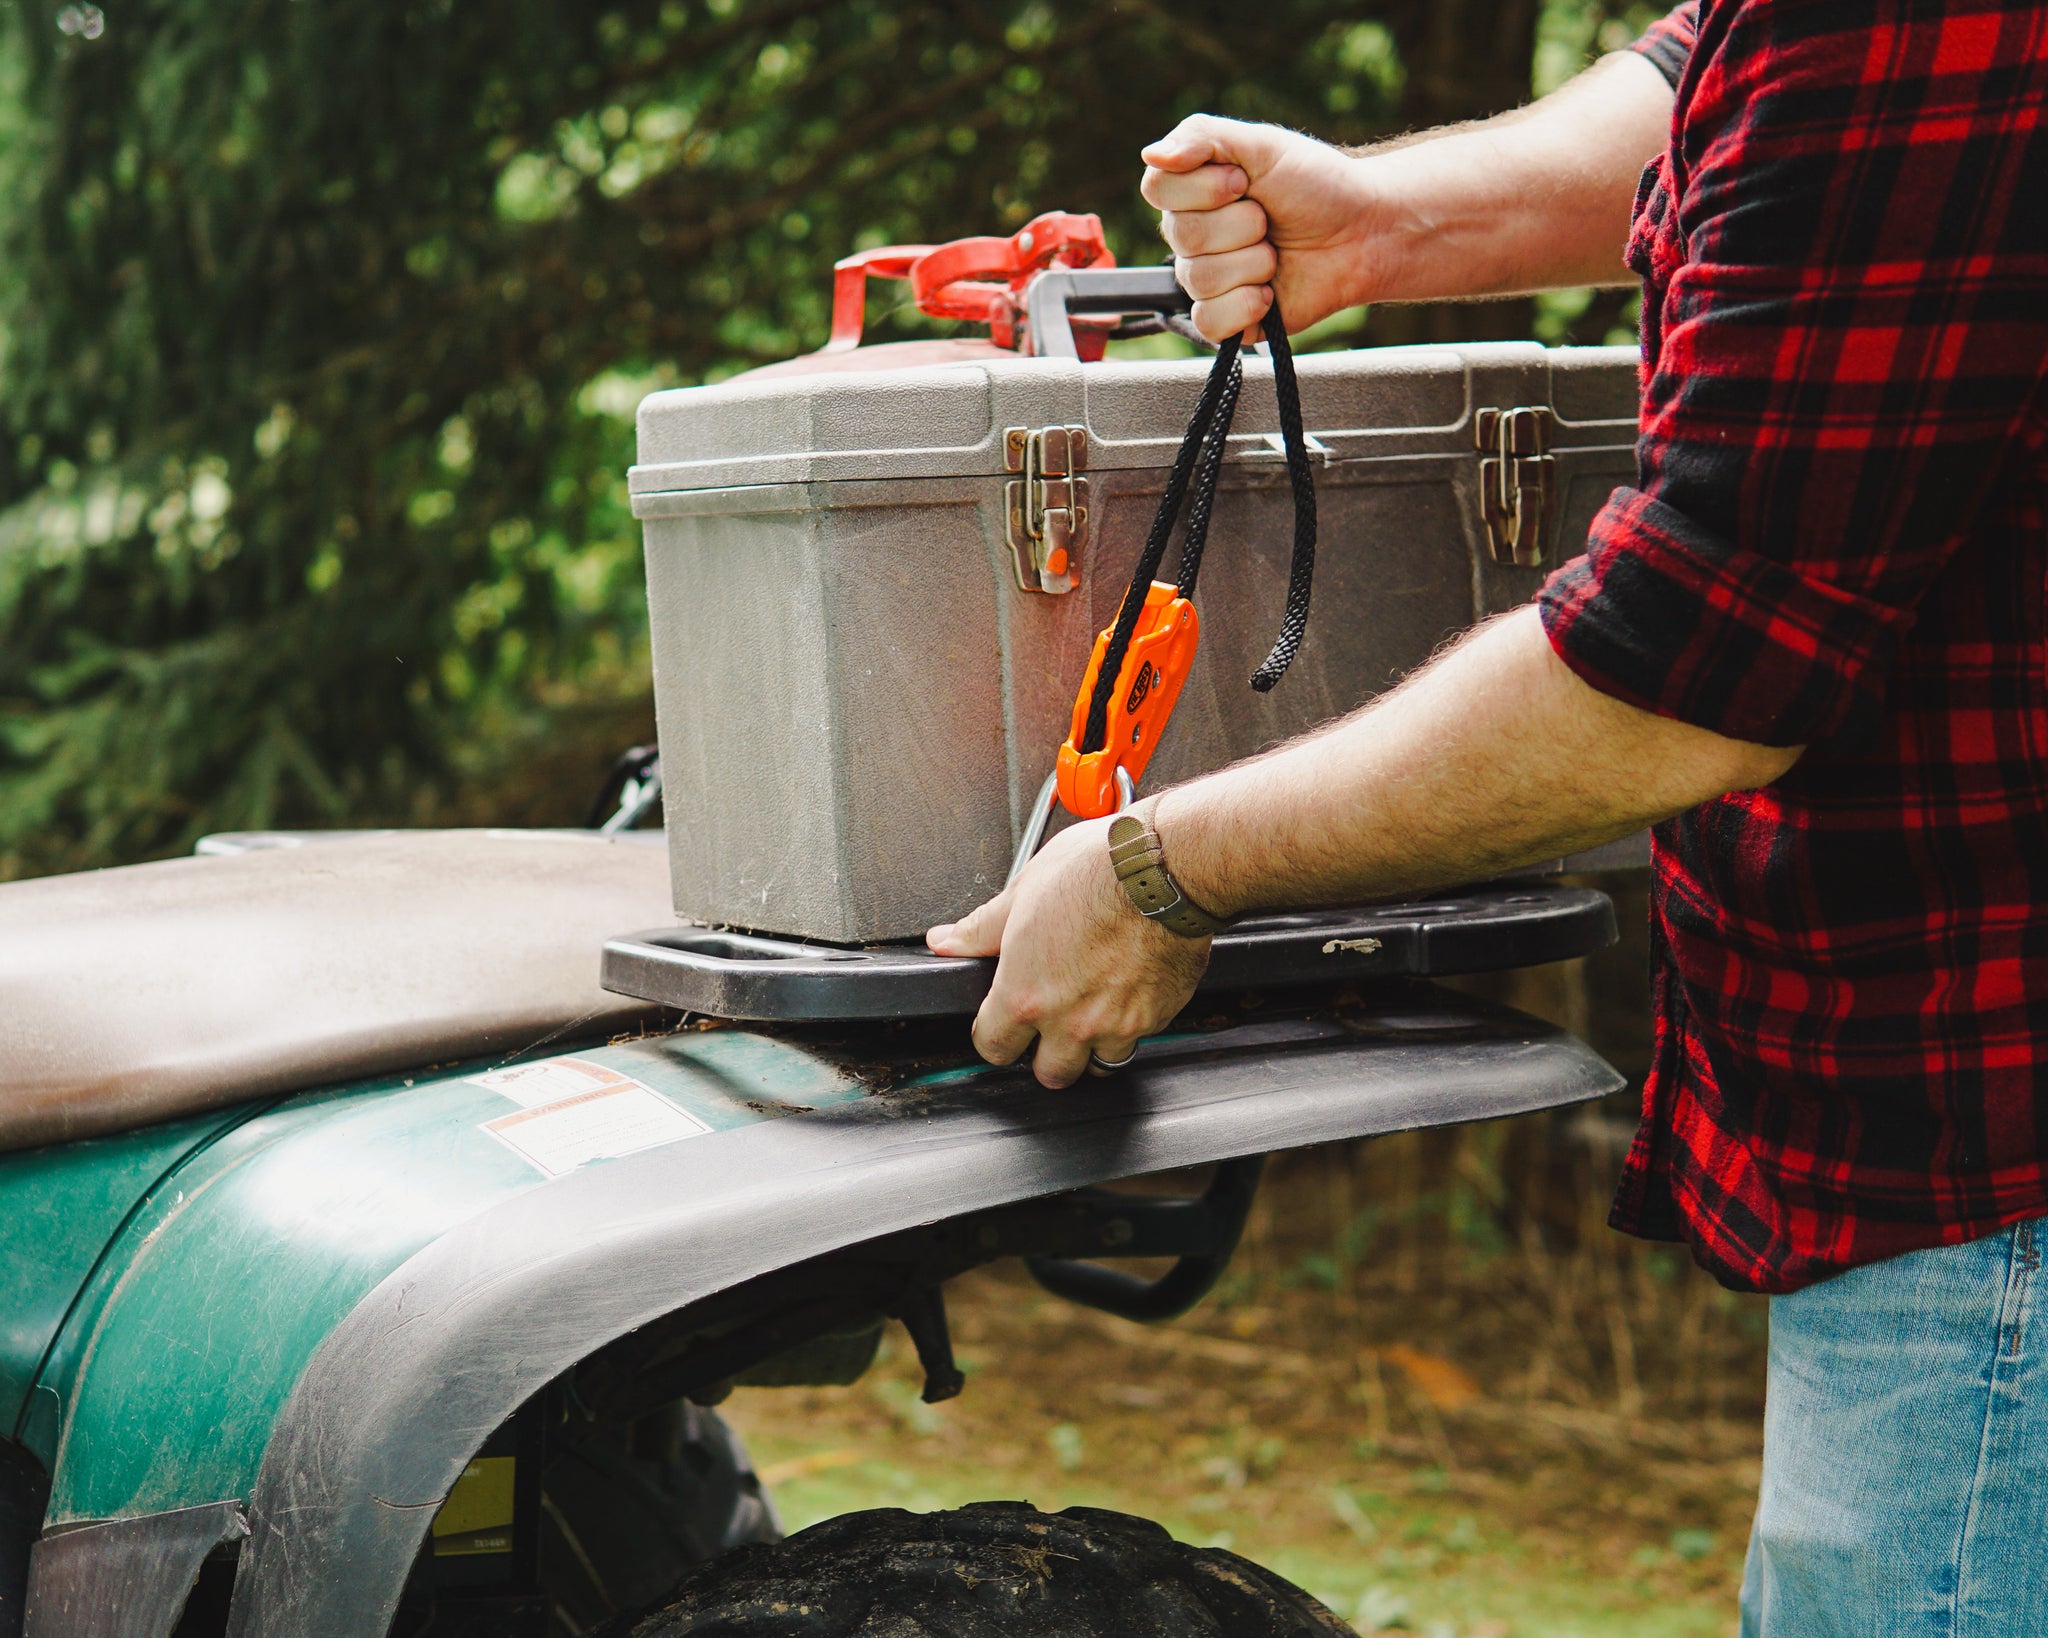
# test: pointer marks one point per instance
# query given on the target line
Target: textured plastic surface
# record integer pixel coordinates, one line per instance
(228, 1273)
(127, 1579)
(735, 975)
(857, 703)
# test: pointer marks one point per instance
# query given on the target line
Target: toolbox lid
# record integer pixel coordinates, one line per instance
(949, 420)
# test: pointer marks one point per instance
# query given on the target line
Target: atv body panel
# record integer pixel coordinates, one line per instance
(292, 1312)
(61, 1207)
(319, 1315)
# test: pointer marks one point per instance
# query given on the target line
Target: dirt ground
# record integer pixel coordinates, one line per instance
(1442, 1410)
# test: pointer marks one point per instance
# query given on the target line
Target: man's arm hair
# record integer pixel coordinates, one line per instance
(1532, 199)
(1493, 757)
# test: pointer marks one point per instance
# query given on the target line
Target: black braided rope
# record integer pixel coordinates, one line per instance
(1202, 498)
(1213, 393)
(1200, 459)
(1301, 571)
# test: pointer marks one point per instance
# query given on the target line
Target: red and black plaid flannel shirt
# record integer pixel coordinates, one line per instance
(1839, 539)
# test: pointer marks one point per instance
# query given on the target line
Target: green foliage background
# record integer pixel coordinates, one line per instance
(321, 328)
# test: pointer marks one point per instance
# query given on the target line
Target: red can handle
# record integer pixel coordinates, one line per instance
(850, 289)
(980, 279)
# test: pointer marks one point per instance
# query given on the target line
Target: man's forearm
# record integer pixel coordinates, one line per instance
(1494, 757)
(1529, 200)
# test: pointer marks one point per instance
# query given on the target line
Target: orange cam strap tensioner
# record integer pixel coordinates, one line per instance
(1155, 664)
(1140, 663)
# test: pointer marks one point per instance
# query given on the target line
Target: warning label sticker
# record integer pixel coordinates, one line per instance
(575, 1111)
(551, 1080)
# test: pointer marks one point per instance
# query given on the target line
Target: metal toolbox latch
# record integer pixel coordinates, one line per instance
(1047, 507)
(1517, 480)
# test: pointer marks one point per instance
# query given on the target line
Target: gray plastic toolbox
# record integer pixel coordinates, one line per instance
(860, 675)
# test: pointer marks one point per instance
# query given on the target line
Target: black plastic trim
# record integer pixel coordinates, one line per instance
(754, 976)
(128, 1578)
(24, 1488)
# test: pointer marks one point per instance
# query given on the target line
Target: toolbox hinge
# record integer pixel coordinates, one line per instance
(1047, 506)
(1517, 480)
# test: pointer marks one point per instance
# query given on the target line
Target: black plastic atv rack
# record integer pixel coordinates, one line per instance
(746, 975)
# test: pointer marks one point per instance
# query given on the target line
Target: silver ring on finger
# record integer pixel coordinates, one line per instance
(1104, 1066)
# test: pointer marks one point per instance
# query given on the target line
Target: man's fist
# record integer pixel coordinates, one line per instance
(1250, 207)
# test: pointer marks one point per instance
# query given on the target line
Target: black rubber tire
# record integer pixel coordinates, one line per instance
(991, 1570)
(628, 1510)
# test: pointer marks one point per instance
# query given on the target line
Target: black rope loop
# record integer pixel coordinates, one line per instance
(1199, 465)
(1214, 391)
(1301, 571)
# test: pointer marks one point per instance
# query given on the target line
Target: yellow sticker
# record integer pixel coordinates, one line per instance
(477, 1516)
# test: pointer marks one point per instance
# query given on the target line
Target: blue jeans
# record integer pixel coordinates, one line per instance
(1905, 1489)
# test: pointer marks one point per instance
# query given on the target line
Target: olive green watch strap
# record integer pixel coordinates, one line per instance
(1140, 864)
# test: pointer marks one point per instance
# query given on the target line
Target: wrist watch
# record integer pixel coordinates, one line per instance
(1140, 864)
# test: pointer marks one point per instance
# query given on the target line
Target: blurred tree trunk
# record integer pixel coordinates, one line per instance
(1465, 59)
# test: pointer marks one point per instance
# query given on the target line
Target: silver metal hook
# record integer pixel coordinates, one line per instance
(1041, 816)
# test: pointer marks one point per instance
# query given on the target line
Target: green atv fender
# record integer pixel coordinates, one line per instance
(308, 1318)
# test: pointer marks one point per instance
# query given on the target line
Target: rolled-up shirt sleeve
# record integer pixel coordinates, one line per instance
(1843, 341)
(1668, 41)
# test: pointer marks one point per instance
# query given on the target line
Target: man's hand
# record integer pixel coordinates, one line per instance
(1243, 203)
(1529, 200)
(1080, 970)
